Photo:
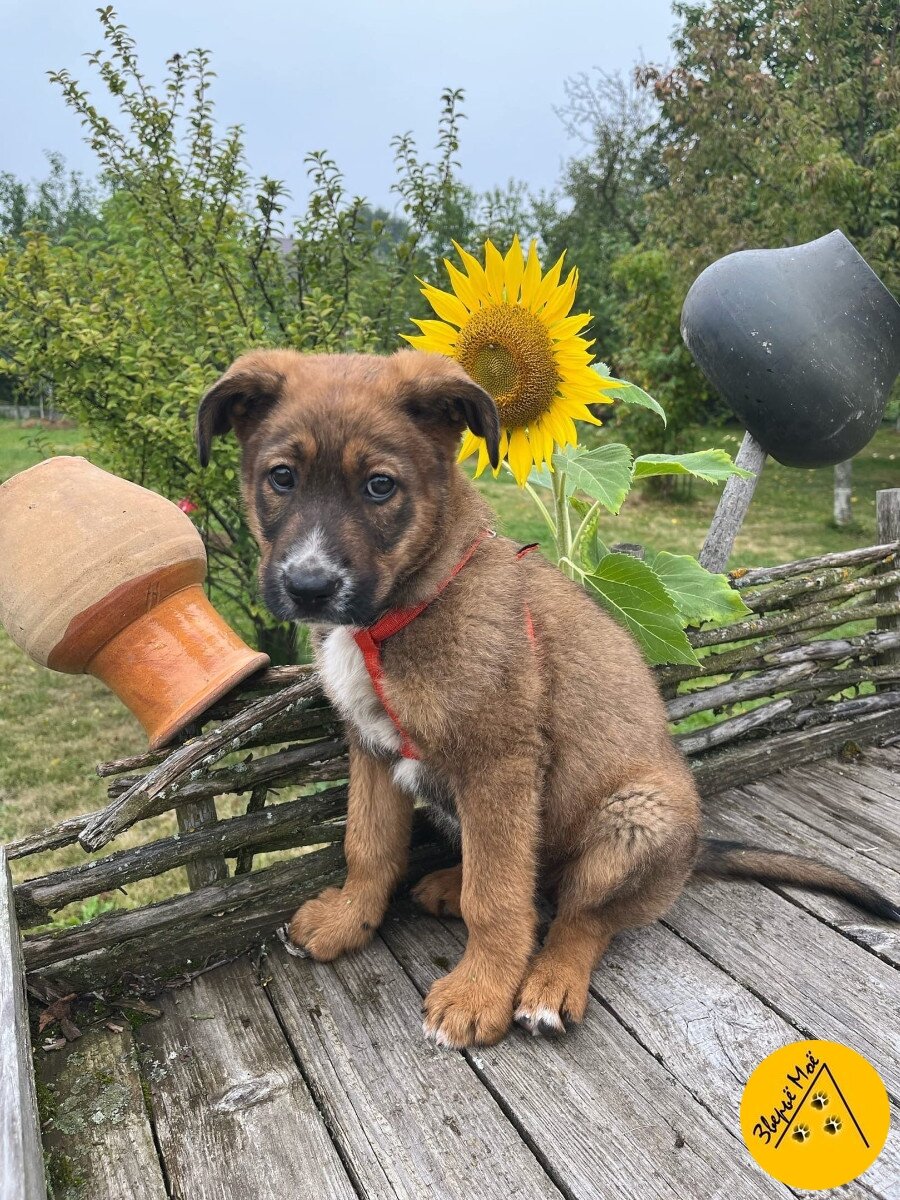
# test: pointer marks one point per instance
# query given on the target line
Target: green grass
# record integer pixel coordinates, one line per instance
(55, 728)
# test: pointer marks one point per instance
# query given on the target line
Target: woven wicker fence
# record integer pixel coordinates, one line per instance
(815, 667)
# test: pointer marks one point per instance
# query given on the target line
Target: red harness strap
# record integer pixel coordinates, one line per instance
(370, 640)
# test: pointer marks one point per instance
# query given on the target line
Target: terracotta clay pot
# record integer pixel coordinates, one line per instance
(101, 576)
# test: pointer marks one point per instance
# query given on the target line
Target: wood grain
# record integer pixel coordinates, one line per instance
(100, 1131)
(818, 980)
(749, 815)
(21, 1158)
(707, 1030)
(233, 1115)
(412, 1121)
(605, 1116)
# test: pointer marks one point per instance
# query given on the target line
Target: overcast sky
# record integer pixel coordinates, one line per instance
(344, 76)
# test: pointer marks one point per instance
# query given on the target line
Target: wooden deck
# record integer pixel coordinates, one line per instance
(283, 1078)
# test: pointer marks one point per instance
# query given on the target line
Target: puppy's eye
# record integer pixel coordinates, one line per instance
(380, 487)
(282, 478)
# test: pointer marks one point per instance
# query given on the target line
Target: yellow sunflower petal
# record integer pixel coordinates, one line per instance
(483, 460)
(447, 306)
(423, 343)
(515, 269)
(545, 432)
(531, 278)
(475, 270)
(578, 411)
(561, 300)
(441, 335)
(468, 447)
(463, 286)
(504, 446)
(493, 269)
(567, 327)
(548, 284)
(520, 455)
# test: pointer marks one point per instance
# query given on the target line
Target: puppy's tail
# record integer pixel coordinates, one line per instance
(737, 860)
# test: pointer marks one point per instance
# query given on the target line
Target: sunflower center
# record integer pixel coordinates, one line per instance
(507, 350)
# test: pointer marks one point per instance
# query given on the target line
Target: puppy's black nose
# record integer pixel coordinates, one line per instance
(310, 585)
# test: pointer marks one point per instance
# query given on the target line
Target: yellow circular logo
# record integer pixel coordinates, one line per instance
(815, 1114)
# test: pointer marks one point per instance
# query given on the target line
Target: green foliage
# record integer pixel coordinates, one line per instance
(698, 594)
(776, 123)
(604, 474)
(129, 317)
(633, 593)
(655, 600)
(713, 466)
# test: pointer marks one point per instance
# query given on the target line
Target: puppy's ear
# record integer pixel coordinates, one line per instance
(437, 391)
(238, 401)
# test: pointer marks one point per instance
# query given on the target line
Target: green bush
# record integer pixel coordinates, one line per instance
(130, 317)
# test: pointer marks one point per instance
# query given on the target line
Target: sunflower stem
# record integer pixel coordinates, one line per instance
(563, 524)
(542, 507)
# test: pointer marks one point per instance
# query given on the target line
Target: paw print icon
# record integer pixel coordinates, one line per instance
(819, 1100)
(833, 1125)
(801, 1133)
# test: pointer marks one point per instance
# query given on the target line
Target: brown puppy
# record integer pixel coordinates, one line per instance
(546, 757)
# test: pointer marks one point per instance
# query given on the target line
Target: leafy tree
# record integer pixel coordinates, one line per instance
(777, 123)
(62, 204)
(190, 264)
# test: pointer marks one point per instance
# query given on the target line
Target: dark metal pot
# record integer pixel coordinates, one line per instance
(803, 343)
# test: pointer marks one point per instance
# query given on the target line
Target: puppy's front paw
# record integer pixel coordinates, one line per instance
(462, 1012)
(552, 994)
(332, 924)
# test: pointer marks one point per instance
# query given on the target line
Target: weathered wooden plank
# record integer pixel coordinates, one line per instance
(744, 815)
(321, 767)
(857, 784)
(21, 1157)
(98, 1133)
(193, 817)
(824, 807)
(707, 1030)
(733, 504)
(411, 1121)
(188, 933)
(818, 980)
(233, 1115)
(170, 920)
(605, 1117)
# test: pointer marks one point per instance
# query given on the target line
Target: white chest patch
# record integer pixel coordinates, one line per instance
(347, 683)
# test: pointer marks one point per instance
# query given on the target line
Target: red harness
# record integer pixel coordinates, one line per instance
(370, 640)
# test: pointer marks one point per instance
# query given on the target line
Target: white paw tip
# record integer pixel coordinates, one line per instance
(438, 1036)
(540, 1021)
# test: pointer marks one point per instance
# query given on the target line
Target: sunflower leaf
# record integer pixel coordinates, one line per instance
(630, 393)
(699, 595)
(634, 595)
(712, 465)
(604, 473)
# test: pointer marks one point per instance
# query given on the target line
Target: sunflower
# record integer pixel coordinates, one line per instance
(509, 327)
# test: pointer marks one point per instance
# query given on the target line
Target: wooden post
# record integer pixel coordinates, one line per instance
(21, 1154)
(729, 516)
(887, 517)
(843, 493)
(200, 814)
